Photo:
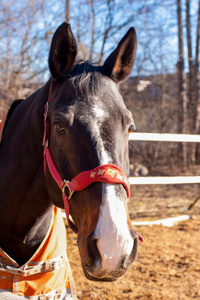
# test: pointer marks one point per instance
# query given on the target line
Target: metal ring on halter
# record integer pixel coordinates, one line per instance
(70, 193)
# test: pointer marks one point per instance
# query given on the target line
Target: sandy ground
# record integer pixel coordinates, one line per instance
(168, 263)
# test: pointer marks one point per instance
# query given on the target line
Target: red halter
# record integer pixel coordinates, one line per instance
(108, 173)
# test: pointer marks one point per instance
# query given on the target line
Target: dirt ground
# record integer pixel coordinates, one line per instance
(168, 263)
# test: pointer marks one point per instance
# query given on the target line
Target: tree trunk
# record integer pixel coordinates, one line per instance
(108, 27)
(196, 84)
(182, 94)
(92, 29)
(191, 108)
(67, 11)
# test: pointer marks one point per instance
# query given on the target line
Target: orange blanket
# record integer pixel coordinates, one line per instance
(47, 275)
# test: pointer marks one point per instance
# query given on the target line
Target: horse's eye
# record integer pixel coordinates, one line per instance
(59, 127)
(132, 128)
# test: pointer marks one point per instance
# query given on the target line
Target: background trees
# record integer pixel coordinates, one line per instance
(188, 87)
(27, 26)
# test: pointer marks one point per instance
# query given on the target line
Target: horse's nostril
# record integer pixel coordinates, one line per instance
(122, 263)
(134, 252)
(93, 251)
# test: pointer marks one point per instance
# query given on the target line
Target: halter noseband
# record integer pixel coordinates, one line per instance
(107, 173)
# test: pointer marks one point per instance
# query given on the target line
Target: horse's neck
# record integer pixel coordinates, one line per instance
(25, 208)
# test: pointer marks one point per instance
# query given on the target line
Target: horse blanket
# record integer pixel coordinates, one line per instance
(47, 275)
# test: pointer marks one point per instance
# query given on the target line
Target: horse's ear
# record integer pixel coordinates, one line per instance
(119, 64)
(63, 51)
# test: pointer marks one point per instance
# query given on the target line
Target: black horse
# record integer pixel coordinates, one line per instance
(86, 126)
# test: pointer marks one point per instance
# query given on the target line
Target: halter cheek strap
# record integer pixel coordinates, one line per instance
(108, 173)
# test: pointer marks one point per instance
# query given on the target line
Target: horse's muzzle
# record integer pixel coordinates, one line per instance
(94, 270)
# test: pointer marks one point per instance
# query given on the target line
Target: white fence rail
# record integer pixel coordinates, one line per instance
(164, 180)
(164, 137)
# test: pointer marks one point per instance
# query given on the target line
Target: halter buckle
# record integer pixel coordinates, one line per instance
(66, 185)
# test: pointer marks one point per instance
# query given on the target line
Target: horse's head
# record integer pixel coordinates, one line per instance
(89, 127)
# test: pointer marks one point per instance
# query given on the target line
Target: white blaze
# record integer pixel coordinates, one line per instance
(114, 239)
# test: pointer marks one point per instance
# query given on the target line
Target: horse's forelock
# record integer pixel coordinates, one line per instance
(86, 79)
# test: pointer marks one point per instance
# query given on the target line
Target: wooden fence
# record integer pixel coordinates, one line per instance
(165, 137)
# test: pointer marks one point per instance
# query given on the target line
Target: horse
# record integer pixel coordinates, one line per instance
(66, 147)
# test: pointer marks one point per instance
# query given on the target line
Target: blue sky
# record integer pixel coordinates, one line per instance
(156, 30)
